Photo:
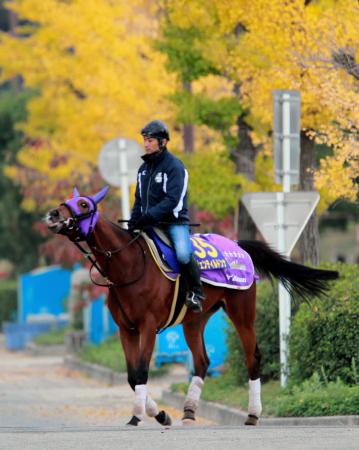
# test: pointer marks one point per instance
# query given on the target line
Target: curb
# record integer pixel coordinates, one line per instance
(220, 414)
(95, 371)
(33, 349)
(223, 415)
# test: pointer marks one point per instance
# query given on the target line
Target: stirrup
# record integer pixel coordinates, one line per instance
(194, 302)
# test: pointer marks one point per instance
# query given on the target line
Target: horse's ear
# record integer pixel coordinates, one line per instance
(75, 192)
(100, 195)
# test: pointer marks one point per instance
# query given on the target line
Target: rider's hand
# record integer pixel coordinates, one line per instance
(142, 222)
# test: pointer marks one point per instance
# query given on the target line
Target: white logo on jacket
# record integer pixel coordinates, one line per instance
(158, 177)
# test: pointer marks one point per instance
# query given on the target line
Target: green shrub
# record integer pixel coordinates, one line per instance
(8, 300)
(267, 329)
(325, 335)
(317, 398)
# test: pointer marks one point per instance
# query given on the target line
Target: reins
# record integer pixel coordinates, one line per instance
(79, 237)
(110, 284)
(108, 254)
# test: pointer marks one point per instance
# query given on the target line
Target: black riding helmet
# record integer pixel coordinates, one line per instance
(156, 129)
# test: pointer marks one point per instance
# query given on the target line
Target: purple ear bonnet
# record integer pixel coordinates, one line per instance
(86, 222)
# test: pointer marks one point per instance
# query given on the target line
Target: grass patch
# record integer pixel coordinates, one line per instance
(54, 337)
(312, 398)
(224, 390)
(110, 354)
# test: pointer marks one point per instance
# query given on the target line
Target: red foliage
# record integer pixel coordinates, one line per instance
(209, 224)
(59, 250)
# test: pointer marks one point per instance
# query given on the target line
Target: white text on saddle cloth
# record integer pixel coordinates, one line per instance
(222, 261)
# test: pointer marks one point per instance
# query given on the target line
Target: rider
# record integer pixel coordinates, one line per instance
(161, 200)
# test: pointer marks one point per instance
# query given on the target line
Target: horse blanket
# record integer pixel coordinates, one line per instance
(222, 261)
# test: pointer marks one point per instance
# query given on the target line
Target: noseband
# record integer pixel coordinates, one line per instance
(73, 225)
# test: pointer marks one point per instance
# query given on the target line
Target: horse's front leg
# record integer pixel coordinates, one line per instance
(138, 350)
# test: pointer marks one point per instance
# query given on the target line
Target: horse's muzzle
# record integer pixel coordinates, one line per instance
(54, 221)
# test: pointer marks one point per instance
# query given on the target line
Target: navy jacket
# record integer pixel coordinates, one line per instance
(161, 190)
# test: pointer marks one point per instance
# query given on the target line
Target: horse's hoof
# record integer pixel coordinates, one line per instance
(164, 419)
(188, 417)
(134, 421)
(251, 420)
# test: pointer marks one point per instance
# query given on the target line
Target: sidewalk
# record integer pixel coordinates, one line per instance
(40, 392)
(215, 412)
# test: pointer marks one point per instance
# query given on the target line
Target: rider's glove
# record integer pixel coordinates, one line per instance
(144, 221)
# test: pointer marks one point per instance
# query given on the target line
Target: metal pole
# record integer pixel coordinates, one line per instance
(284, 297)
(125, 189)
(286, 141)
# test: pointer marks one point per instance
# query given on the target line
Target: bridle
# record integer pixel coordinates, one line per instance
(73, 223)
(76, 235)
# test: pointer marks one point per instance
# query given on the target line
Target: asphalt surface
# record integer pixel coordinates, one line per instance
(45, 406)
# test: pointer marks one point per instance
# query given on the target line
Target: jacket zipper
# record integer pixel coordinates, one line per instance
(148, 189)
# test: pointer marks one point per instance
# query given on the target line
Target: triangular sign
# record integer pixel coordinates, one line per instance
(281, 216)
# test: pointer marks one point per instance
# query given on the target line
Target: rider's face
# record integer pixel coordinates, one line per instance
(151, 144)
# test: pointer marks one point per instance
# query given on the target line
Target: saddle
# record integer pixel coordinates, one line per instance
(222, 261)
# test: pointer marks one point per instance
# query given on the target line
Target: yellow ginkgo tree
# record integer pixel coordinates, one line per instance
(96, 75)
(311, 46)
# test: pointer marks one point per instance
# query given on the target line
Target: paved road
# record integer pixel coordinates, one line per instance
(45, 406)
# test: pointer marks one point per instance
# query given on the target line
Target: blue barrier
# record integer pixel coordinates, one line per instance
(17, 335)
(215, 340)
(99, 324)
(172, 347)
(43, 291)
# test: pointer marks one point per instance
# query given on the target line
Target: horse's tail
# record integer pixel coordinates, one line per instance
(303, 281)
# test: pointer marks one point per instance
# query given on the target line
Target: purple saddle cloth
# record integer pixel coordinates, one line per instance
(222, 261)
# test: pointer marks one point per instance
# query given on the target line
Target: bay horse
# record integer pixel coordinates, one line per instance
(140, 298)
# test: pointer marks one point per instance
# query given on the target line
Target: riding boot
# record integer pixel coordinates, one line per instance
(191, 275)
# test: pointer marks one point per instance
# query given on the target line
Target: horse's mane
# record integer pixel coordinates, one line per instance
(118, 229)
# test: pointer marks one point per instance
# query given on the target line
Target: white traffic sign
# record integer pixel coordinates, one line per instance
(118, 158)
(118, 162)
(287, 210)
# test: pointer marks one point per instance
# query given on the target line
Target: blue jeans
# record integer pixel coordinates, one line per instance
(179, 235)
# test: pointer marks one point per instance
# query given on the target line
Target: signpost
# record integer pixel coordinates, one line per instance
(118, 161)
(281, 231)
(282, 216)
(286, 137)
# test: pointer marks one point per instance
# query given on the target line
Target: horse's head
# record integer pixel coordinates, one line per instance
(76, 217)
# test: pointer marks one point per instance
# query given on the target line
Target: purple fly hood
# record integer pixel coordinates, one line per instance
(86, 220)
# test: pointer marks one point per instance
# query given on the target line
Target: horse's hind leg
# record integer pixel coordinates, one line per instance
(193, 332)
(138, 350)
(241, 309)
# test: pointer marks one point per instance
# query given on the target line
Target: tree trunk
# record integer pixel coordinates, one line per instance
(244, 156)
(188, 128)
(309, 240)
(15, 81)
(188, 146)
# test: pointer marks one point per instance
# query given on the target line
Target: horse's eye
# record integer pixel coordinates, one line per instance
(84, 205)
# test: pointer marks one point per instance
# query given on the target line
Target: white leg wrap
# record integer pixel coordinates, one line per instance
(194, 393)
(151, 407)
(140, 401)
(254, 403)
